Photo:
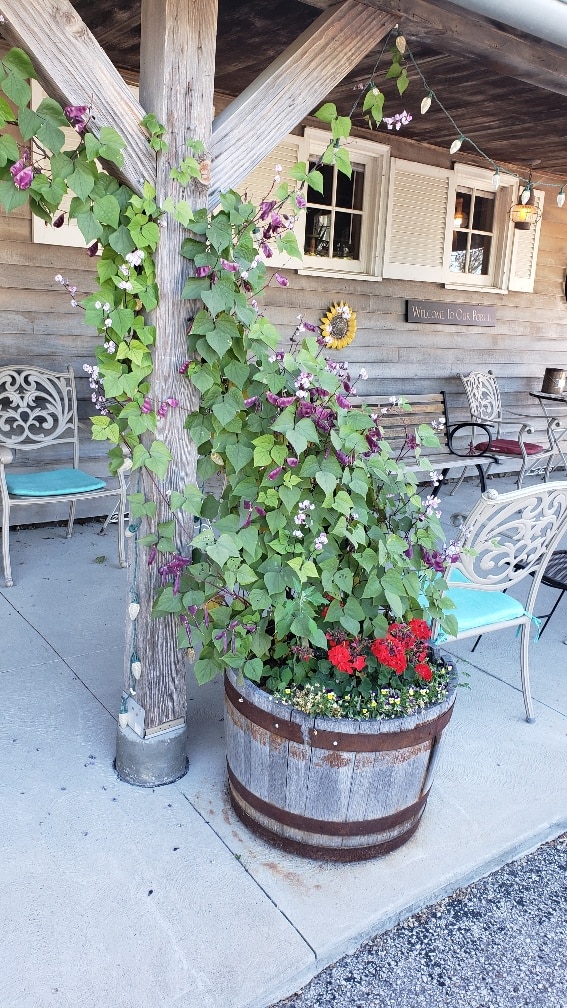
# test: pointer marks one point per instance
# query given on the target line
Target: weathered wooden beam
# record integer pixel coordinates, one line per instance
(73, 69)
(176, 84)
(293, 85)
(456, 31)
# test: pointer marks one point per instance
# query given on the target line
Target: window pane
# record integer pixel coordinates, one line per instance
(350, 190)
(326, 197)
(462, 210)
(479, 256)
(483, 213)
(346, 238)
(317, 232)
(459, 252)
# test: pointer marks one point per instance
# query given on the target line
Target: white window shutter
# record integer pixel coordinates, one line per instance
(417, 222)
(257, 185)
(524, 252)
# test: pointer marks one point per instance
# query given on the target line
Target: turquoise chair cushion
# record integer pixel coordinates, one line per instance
(476, 608)
(52, 484)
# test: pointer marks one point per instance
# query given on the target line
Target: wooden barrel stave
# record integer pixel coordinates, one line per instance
(303, 796)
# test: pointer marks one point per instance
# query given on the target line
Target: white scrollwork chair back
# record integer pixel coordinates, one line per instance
(38, 410)
(506, 538)
(485, 404)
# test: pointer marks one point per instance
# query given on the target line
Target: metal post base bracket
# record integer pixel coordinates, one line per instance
(151, 761)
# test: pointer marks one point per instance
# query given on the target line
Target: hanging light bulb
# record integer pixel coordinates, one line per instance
(400, 44)
(525, 194)
(426, 103)
(456, 145)
(561, 197)
(496, 179)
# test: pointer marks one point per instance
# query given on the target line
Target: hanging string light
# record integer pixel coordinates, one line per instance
(426, 102)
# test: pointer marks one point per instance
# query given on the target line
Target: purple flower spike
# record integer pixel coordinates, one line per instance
(266, 208)
(292, 462)
(342, 402)
(283, 281)
(251, 402)
(266, 250)
(183, 368)
(152, 555)
(273, 475)
(92, 249)
(58, 222)
(231, 267)
(300, 201)
(310, 327)
(146, 406)
(22, 175)
(280, 401)
(202, 271)
(260, 511)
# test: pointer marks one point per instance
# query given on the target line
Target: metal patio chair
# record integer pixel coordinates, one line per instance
(510, 536)
(485, 405)
(38, 410)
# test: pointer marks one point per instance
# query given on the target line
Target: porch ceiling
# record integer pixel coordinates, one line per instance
(468, 60)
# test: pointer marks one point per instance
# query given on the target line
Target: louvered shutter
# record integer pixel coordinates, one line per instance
(417, 222)
(524, 253)
(257, 185)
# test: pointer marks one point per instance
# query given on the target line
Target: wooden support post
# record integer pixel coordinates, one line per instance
(73, 69)
(176, 84)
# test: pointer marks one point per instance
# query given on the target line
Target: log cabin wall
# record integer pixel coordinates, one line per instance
(38, 324)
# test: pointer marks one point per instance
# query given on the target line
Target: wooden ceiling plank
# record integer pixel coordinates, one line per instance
(456, 31)
(73, 69)
(294, 84)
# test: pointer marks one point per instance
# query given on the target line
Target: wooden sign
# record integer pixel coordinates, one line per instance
(450, 313)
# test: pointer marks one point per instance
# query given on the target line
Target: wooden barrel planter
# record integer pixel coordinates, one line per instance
(328, 788)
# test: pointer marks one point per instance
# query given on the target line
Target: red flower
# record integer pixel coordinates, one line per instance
(424, 671)
(340, 657)
(391, 653)
(420, 628)
(359, 662)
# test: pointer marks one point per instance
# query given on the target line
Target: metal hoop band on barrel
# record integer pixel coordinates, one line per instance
(336, 741)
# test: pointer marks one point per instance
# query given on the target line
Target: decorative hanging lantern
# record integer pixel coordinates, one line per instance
(525, 212)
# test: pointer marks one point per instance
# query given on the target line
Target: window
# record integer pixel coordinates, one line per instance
(473, 226)
(339, 231)
(451, 227)
(333, 220)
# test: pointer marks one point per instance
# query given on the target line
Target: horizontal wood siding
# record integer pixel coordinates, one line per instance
(38, 323)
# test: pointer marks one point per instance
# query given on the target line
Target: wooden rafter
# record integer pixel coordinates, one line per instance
(291, 87)
(459, 32)
(73, 68)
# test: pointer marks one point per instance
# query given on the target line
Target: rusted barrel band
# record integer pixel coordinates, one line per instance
(342, 854)
(322, 826)
(335, 741)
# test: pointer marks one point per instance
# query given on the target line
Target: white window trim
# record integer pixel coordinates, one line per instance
(375, 157)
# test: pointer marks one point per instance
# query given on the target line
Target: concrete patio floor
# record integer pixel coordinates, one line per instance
(160, 898)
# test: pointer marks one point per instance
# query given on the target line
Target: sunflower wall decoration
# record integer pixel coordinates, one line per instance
(338, 326)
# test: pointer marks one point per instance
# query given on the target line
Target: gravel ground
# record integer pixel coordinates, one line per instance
(499, 943)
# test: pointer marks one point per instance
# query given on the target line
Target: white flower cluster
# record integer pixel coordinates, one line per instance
(302, 517)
